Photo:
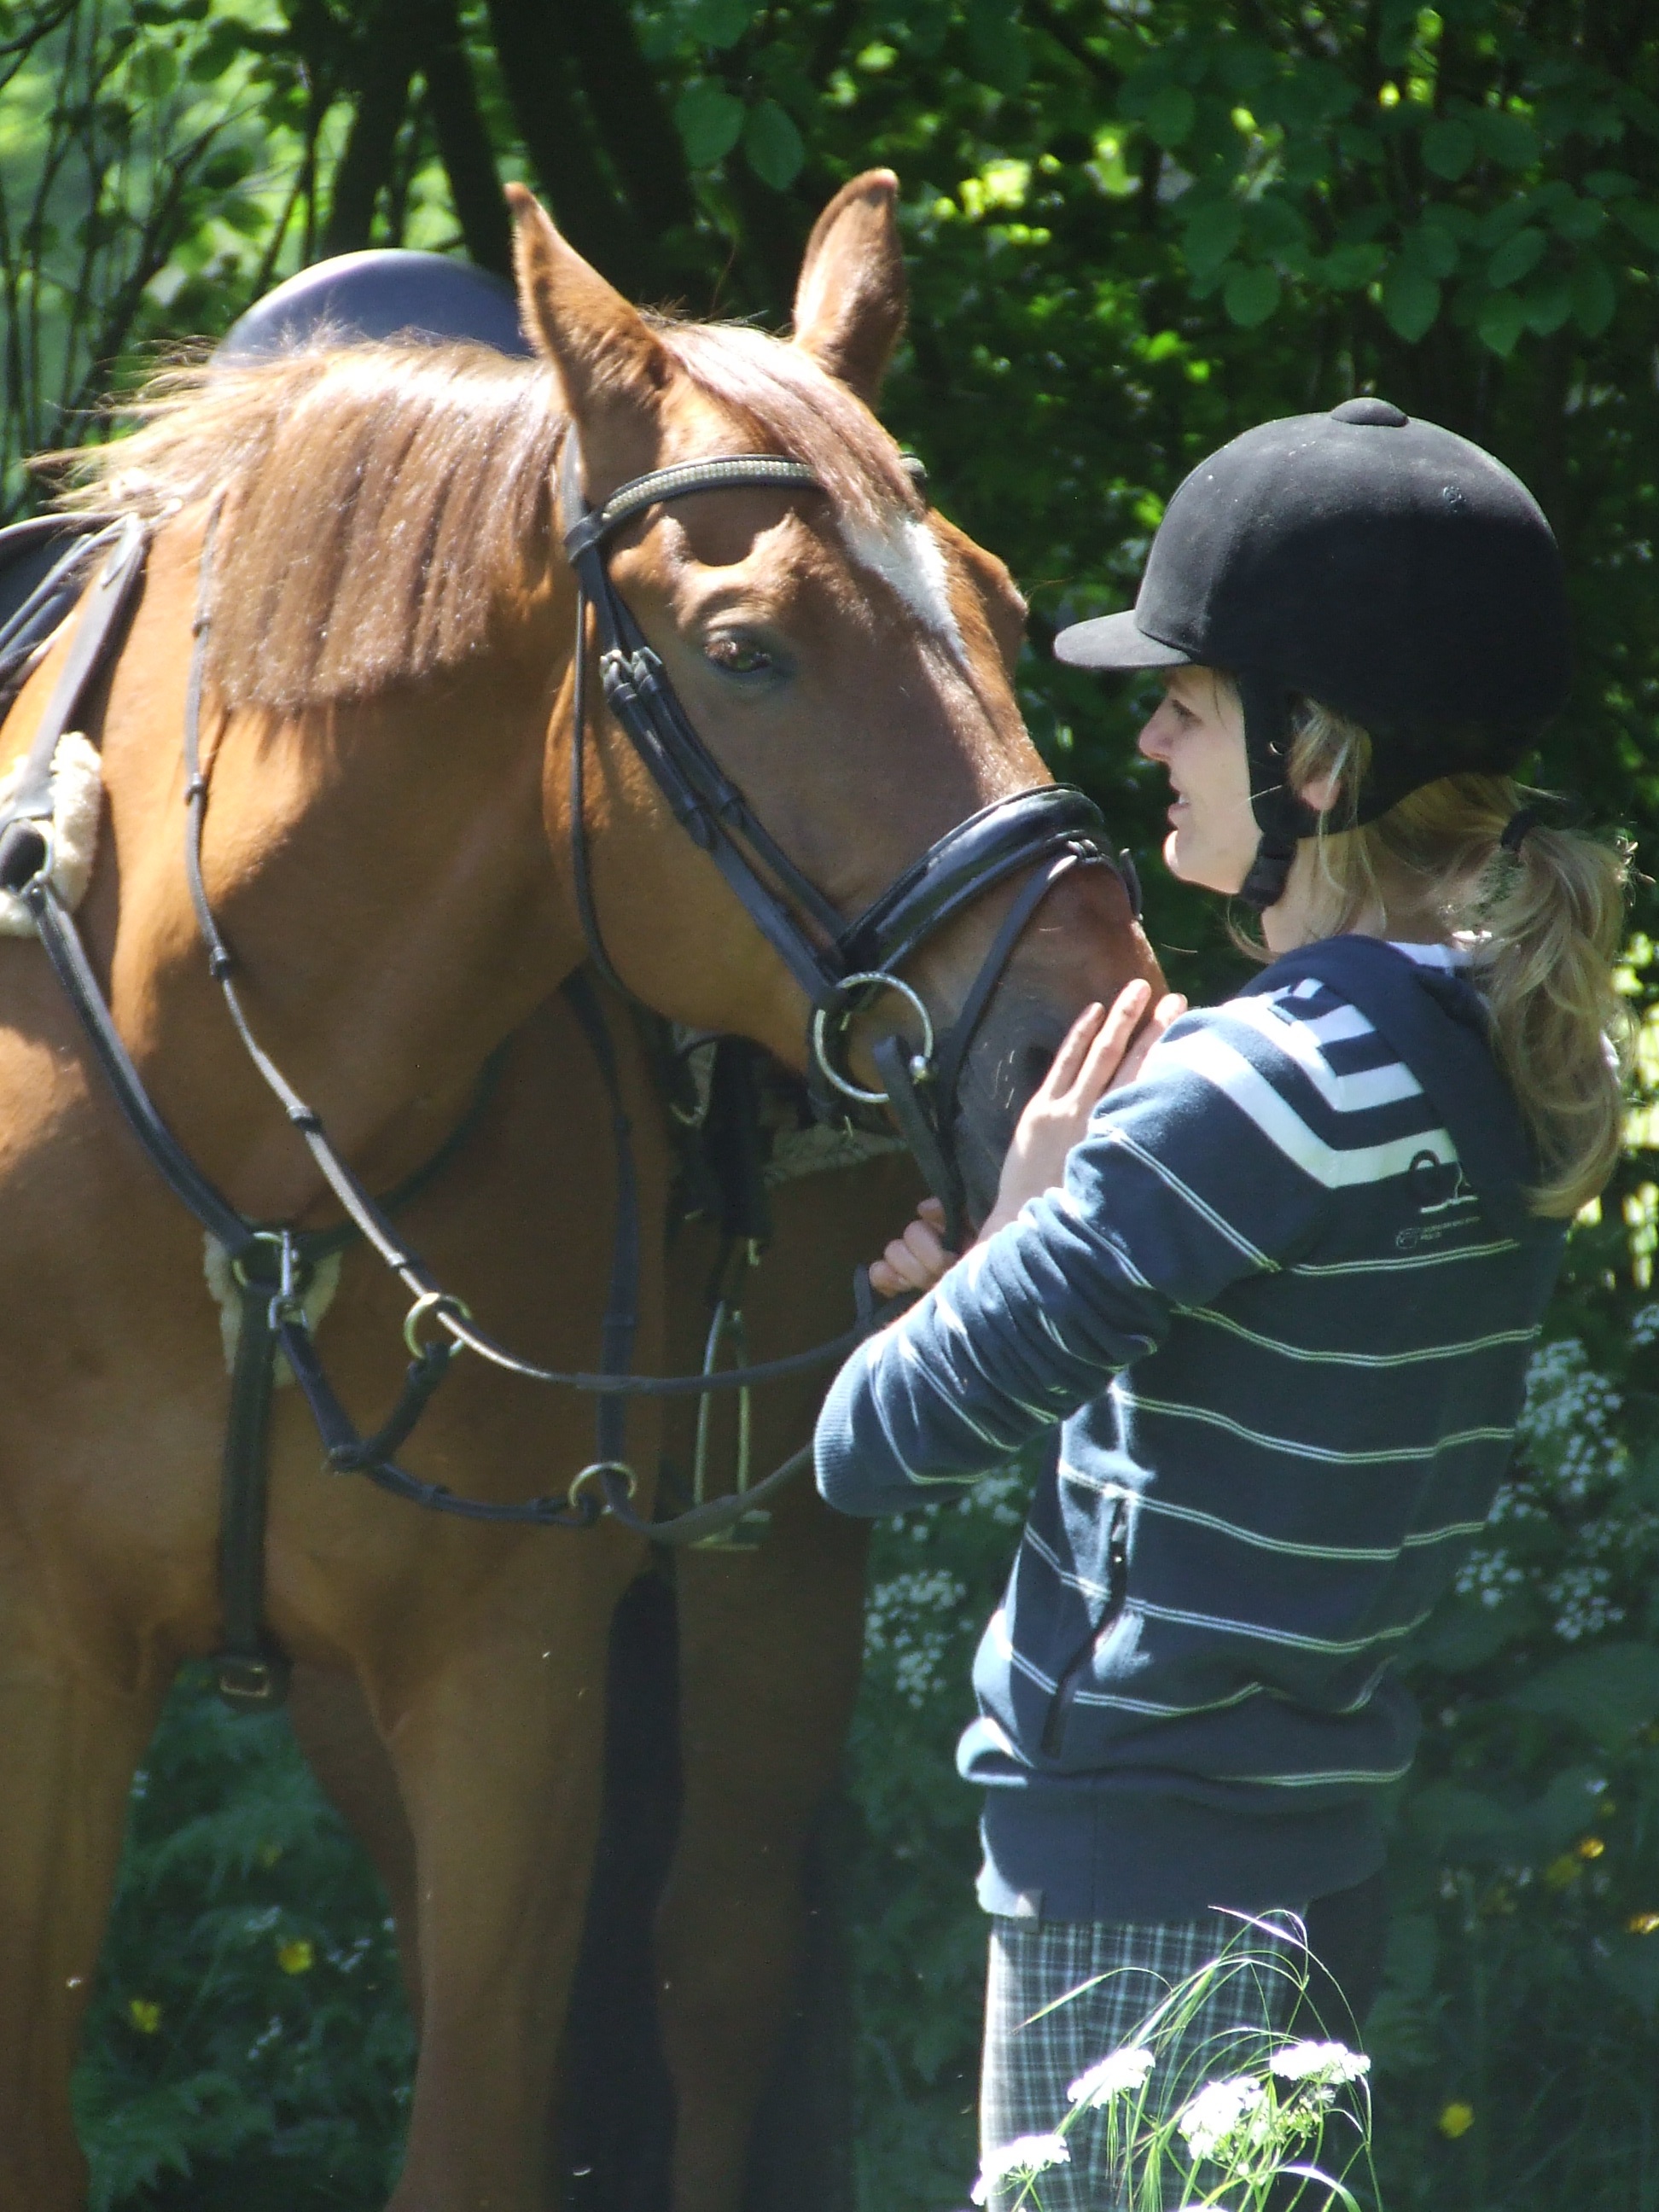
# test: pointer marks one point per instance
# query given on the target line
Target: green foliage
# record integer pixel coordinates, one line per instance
(247, 2049)
(1132, 233)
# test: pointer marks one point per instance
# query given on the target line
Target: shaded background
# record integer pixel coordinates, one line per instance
(1134, 230)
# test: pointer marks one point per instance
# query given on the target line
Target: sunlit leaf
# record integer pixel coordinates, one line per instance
(709, 122)
(772, 145)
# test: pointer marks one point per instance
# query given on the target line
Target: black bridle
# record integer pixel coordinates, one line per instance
(843, 967)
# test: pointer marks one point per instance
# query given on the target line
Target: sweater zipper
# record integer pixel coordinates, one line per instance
(1117, 1591)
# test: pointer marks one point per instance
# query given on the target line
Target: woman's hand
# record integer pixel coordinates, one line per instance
(1097, 1056)
(915, 1260)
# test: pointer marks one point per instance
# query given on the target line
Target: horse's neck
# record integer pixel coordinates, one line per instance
(383, 875)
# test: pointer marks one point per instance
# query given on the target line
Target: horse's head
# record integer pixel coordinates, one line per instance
(844, 654)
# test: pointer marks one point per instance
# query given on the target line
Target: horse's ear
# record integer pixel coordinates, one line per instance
(608, 360)
(851, 299)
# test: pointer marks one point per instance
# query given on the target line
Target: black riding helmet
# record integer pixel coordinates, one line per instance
(1384, 567)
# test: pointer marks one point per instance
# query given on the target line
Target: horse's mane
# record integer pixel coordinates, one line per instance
(379, 499)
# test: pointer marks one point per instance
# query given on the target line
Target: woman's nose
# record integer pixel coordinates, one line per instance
(1152, 743)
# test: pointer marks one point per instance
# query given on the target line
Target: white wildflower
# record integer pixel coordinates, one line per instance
(1017, 2161)
(1121, 2073)
(1215, 2116)
(1319, 2061)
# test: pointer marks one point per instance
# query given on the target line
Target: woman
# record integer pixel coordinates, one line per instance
(1267, 1284)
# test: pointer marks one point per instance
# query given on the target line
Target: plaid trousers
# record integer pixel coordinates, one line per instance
(1040, 2037)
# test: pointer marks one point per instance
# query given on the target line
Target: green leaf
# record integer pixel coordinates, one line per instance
(996, 39)
(1250, 295)
(1500, 321)
(1411, 300)
(1609, 183)
(1432, 247)
(719, 23)
(153, 70)
(772, 145)
(1579, 220)
(1509, 138)
(1277, 224)
(1594, 297)
(1345, 268)
(1641, 219)
(1607, 1691)
(1212, 231)
(1548, 303)
(223, 45)
(1169, 114)
(1631, 1963)
(709, 122)
(1448, 150)
(1515, 258)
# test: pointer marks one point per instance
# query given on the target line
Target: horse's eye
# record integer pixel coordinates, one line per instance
(736, 656)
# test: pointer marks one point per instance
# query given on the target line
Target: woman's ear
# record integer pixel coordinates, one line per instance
(1321, 793)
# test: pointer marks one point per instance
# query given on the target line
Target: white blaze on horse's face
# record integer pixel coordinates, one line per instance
(905, 554)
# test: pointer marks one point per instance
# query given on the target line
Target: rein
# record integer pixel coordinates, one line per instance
(843, 968)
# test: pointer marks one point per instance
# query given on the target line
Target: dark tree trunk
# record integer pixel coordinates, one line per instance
(540, 75)
(388, 63)
(629, 113)
(463, 148)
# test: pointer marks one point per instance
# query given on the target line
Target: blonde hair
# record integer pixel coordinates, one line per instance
(1542, 927)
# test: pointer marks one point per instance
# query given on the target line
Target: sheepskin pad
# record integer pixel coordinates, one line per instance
(215, 1265)
(77, 800)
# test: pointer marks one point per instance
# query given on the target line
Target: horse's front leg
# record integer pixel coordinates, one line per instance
(498, 1753)
(335, 1729)
(69, 1742)
(770, 1645)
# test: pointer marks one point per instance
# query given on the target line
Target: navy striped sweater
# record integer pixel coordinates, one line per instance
(1273, 1332)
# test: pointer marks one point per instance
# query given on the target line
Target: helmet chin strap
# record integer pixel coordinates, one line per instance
(1284, 818)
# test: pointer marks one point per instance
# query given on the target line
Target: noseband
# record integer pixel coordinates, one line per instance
(844, 967)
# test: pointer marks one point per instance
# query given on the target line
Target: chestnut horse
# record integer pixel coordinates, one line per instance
(387, 728)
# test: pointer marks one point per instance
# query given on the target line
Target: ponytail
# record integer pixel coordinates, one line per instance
(1541, 925)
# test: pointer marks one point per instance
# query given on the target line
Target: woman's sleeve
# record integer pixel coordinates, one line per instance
(1187, 1181)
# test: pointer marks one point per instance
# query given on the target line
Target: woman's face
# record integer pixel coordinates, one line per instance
(1198, 733)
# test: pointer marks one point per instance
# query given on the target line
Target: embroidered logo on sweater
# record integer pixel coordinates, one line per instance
(1444, 1201)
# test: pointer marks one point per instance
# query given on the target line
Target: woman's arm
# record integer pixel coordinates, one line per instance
(1102, 1051)
(1176, 1190)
